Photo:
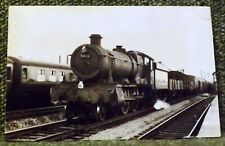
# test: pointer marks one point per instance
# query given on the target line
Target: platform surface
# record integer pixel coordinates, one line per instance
(211, 124)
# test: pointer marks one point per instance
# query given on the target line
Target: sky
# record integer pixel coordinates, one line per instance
(179, 37)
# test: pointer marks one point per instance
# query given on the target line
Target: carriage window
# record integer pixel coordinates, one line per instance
(8, 73)
(24, 73)
(42, 72)
(53, 73)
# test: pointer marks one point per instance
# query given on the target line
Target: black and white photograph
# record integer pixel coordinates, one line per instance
(110, 73)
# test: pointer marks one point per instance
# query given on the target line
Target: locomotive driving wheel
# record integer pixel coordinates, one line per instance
(125, 107)
(134, 105)
(70, 114)
(100, 111)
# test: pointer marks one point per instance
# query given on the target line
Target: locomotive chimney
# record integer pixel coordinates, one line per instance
(120, 48)
(95, 39)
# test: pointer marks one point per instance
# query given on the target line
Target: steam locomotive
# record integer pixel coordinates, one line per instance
(29, 82)
(118, 80)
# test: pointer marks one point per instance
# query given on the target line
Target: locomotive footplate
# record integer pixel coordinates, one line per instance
(130, 92)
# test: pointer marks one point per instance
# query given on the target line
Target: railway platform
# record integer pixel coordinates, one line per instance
(211, 125)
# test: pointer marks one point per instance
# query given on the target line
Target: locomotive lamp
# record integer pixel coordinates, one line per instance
(83, 50)
(84, 54)
(80, 85)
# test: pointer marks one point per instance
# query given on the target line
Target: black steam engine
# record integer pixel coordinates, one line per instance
(117, 80)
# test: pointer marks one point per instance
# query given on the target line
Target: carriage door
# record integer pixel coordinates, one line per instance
(9, 72)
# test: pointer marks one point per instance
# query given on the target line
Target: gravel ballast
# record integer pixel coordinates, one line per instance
(132, 128)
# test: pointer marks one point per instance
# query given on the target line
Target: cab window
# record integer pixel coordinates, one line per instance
(146, 61)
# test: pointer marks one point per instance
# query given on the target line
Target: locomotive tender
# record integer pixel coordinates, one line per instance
(117, 80)
(29, 82)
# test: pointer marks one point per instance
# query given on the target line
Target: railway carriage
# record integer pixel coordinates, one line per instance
(176, 83)
(29, 82)
(160, 81)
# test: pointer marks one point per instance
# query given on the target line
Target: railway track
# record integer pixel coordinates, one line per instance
(29, 113)
(78, 130)
(40, 131)
(184, 124)
(61, 130)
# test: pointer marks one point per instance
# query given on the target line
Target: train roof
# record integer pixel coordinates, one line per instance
(175, 74)
(142, 54)
(10, 60)
(37, 63)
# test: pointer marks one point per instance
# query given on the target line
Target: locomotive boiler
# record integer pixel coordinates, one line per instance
(93, 62)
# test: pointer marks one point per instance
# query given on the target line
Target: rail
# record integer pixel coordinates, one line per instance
(22, 114)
